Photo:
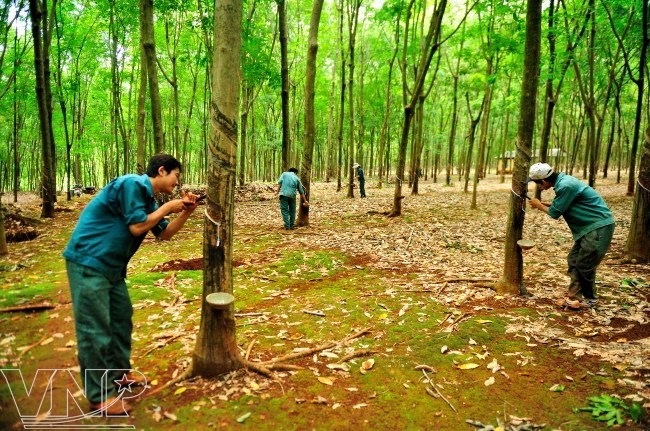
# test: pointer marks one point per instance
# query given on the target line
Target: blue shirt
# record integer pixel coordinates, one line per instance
(289, 183)
(102, 239)
(581, 206)
(360, 174)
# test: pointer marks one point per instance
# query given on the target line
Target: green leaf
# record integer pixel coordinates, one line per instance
(243, 417)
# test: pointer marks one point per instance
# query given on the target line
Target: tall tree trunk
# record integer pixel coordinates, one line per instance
(504, 136)
(310, 122)
(454, 110)
(471, 136)
(639, 234)
(216, 350)
(42, 35)
(341, 99)
(431, 45)
(353, 20)
(512, 280)
(149, 45)
(284, 73)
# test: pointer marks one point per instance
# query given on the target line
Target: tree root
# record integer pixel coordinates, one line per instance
(276, 364)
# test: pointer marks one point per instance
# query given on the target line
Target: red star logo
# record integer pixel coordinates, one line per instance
(124, 383)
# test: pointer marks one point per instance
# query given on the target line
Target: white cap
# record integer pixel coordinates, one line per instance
(540, 171)
(356, 165)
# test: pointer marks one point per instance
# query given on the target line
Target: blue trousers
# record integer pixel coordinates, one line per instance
(102, 320)
(288, 210)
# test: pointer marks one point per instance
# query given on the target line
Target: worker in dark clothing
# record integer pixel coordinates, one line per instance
(362, 180)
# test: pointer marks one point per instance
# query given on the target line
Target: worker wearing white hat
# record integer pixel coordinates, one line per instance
(590, 220)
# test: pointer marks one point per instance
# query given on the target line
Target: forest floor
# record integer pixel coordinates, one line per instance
(442, 349)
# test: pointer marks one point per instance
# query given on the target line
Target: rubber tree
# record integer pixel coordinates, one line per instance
(310, 122)
(512, 280)
(431, 44)
(216, 349)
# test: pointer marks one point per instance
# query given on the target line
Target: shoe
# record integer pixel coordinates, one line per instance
(113, 406)
(573, 304)
(589, 302)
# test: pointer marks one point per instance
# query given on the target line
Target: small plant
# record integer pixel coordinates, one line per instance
(612, 410)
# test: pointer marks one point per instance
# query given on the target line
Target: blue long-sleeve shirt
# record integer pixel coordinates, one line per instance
(289, 184)
(583, 209)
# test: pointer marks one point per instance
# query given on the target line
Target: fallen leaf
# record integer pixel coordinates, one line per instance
(494, 366)
(243, 417)
(472, 342)
(47, 341)
(326, 381)
(425, 368)
(180, 390)
(170, 416)
(468, 366)
(157, 416)
(483, 321)
(358, 406)
(443, 349)
(556, 388)
(366, 365)
(489, 381)
(352, 389)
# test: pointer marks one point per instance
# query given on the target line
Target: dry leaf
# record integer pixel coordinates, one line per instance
(157, 416)
(47, 341)
(358, 406)
(444, 349)
(489, 382)
(180, 390)
(468, 366)
(366, 365)
(170, 416)
(326, 381)
(483, 321)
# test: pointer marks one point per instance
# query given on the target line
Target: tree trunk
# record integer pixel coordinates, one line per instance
(216, 350)
(512, 280)
(284, 72)
(639, 235)
(44, 98)
(341, 100)
(149, 45)
(353, 19)
(310, 126)
(431, 46)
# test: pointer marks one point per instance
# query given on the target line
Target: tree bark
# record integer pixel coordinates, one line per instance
(149, 45)
(512, 280)
(310, 126)
(216, 349)
(284, 73)
(42, 34)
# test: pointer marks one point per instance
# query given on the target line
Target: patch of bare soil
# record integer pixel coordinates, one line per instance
(19, 228)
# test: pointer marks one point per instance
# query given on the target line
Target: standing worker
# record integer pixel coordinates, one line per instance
(108, 233)
(591, 223)
(288, 185)
(361, 178)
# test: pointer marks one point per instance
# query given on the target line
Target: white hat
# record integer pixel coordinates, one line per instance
(356, 165)
(540, 171)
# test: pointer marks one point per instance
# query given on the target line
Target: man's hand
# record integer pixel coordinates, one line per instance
(189, 201)
(305, 204)
(536, 203)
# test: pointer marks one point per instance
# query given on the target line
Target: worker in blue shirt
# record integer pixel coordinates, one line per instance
(591, 223)
(288, 186)
(108, 233)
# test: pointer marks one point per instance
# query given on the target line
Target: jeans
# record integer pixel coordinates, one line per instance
(102, 320)
(583, 259)
(288, 210)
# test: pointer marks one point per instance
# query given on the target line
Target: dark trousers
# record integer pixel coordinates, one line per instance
(362, 188)
(102, 320)
(288, 210)
(583, 259)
